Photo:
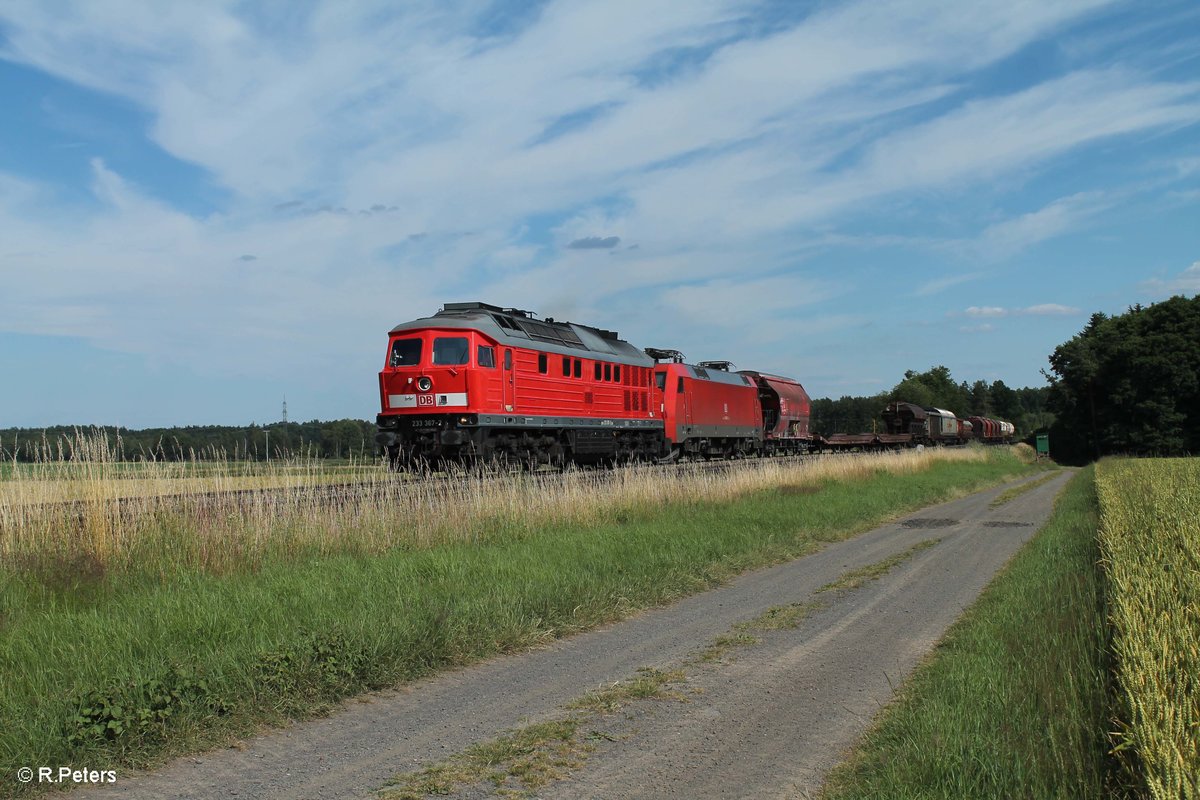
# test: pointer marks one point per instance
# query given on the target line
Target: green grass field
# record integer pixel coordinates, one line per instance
(1077, 674)
(124, 666)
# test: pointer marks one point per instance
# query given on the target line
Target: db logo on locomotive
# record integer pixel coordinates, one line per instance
(424, 400)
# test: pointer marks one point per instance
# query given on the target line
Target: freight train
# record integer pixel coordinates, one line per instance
(910, 425)
(482, 382)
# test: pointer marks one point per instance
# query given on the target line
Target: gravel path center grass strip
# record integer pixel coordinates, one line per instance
(138, 674)
(1009, 495)
(1013, 702)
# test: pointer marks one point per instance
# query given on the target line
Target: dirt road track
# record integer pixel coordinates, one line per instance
(770, 723)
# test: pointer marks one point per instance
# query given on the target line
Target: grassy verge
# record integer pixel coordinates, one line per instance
(134, 665)
(1013, 702)
(1150, 540)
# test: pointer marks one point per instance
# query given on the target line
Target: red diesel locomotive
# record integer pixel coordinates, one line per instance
(477, 381)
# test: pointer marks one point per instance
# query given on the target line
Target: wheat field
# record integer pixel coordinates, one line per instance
(1150, 545)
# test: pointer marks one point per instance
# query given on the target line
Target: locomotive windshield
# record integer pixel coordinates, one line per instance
(451, 350)
(405, 353)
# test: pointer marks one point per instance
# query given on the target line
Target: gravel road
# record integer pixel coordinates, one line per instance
(769, 721)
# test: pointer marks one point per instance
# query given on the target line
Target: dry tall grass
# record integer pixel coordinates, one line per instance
(201, 526)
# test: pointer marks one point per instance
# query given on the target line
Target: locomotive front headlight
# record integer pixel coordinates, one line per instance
(424, 383)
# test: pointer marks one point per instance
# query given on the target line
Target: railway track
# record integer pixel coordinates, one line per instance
(79, 511)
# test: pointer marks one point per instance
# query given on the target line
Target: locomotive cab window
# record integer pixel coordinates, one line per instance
(486, 356)
(660, 380)
(451, 351)
(405, 353)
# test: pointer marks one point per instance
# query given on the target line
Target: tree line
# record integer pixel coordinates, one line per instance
(1129, 384)
(344, 438)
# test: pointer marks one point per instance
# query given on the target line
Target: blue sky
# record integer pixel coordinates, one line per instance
(207, 206)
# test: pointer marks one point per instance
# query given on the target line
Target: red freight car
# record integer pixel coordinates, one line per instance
(786, 409)
(991, 431)
(479, 381)
(708, 411)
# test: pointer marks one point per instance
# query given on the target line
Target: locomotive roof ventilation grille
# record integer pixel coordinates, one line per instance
(555, 334)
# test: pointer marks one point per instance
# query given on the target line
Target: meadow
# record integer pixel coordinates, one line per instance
(156, 626)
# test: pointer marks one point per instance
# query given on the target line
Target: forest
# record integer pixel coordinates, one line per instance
(1128, 384)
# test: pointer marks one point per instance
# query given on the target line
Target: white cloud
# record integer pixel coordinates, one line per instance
(1186, 282)
(1041, 310)
(938, 285)
(732, 303)
(986, 311)
(1050, 310)
(1003, 239)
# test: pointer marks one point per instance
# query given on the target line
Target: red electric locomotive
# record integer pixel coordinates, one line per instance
(709, 411)
(480, 381)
